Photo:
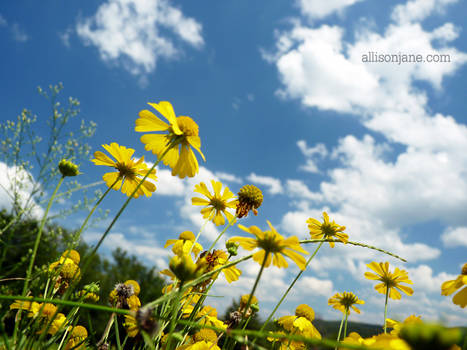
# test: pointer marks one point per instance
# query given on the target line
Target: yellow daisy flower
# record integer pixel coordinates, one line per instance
(301, 322)
(131, 326)
(326, 230)
(183, 244)
(218, 258)
(343, 302)
(391, 280)
(129, 172)
(449, 287)
(77, 339)
(272, 243)
(218, 203)
(397, 326)
(182, 131)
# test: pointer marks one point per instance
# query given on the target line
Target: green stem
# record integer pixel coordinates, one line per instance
(253, 290)
(117, 333)
(347, 311)
(34, 252)
(386, 308)
(290, 287)
(200, 230)
(38, 238)
(231, 222)
(66, 303)
(340, 330)
(78, 233)
(356, 244)
(174, 315)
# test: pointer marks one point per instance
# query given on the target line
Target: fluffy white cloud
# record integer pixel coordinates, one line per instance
(14, 179)
(274, 185)
(129, 32)
(455, 237)
(311, 153)
(314, 286)
(322, 8)
(418, 10)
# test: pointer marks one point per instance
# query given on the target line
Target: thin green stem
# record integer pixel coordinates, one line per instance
(200, 231)
(290, 287)
(117, 333)
(34, 252)
(83, 225)
(38, 237)
(231, 222)
(386, 308)
(66, 303)
(347, 311)
(356, 244)
(340, 330)
(175, 310)
(253, 290)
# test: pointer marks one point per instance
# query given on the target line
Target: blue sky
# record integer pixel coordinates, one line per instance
(283, 101)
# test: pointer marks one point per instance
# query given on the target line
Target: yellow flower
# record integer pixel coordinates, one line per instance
(380, 341)
(182, 132)
(58, 323)
(287, 344)
(343, 302)
(390, 280)
(250, 197)
(129, 172)
(208, 317)
(301, 322)
(131, 326)
(449, 287)
(77, 339)
(272, 243)
(396, 326)
(327, 230)
(202, 345)
(183, 244)
(136, 287)
(217, 203)
(31, 307)
(217, 259)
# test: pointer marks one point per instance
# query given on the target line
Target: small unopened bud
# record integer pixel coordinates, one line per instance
(232, 248)
(92, 287)
(68, 168)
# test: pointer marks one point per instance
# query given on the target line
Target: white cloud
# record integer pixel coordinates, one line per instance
(228, 177)
(14, 179)
(317, 9)
(311, 153)
(314, 286)
(65, 36)
(274, 185)
(454, 237)
(423, 279)
(418, 10)
(297, 189)
(129, 32)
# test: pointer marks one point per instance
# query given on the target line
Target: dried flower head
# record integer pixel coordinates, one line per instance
(249, 198)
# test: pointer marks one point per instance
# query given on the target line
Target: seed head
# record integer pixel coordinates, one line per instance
(249, 198)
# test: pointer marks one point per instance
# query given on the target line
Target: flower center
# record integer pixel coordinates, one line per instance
(328, 230)
(125, 170)
(464, 269)
(269, 243)
(188, 126)
(218, 204)
(304, 310)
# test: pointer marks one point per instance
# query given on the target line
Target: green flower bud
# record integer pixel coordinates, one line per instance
(232, 248)
(67, 168)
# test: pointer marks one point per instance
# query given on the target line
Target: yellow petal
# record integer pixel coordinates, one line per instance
(147, 121)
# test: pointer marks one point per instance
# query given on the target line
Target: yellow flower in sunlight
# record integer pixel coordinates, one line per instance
(287, 344)
(390, 280)
(182, 132)
(208, 317)
(380, 341)
(343, 302)
(217, 205)
(129, 172)
(326, 230)
(217, 259)
(449, 287)
(272, 243)
(183, 244)
(396, 326)
(300, 323)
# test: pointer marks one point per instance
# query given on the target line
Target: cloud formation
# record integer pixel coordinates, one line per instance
(130, 32)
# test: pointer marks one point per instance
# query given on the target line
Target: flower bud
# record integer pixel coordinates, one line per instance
(67, 168)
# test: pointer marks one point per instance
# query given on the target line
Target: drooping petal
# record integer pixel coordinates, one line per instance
(165, 108)
(102, 159)
(461, 298)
